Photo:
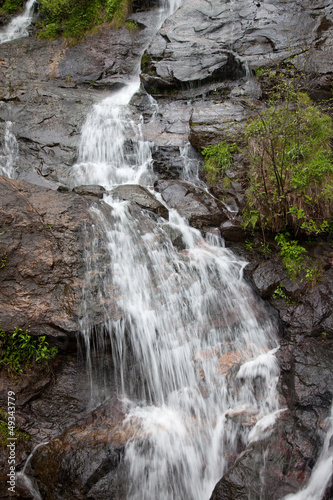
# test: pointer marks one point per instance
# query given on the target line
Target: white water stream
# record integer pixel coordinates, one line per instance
(18, 27)
(8, 152)
(194, 351)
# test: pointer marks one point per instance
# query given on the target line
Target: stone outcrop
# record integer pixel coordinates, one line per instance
(41, 241)
(211, 42)
(142, 197)
(44, 274)
(197, 206)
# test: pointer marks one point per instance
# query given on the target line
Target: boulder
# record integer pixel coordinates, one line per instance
(87, 460)
(92, 191)
(196, 205)
(141, 196)
(312, 315)
(212, 122)
(232, 230)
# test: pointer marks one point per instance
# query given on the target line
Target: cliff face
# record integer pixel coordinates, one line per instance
(199, 67)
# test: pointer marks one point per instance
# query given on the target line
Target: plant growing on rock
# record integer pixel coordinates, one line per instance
(291, 168)
(218, 159)
(74, 19)
(20, 350)
(291, 253)
(10, 6)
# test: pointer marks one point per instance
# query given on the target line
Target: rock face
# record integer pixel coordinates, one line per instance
(210, 41)
(196, 205)
(96, 469)
(41, 241)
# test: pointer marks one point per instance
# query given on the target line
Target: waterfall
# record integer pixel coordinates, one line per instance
(18, 27)
(8, 152)
(194, 351)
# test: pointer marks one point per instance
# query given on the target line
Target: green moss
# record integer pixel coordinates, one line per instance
(131, 25)
(5, 433)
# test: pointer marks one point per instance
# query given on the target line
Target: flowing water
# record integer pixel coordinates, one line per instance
(8, 152)
(193, 349)
(18, 27)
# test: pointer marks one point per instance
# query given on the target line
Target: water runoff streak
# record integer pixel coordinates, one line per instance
(194, 351)
(8, 152)
(18, 27)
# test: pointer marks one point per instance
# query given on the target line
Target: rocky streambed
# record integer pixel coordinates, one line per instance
(200, 70)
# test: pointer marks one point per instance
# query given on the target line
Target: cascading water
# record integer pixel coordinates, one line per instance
(193, 349)
(18, 27)
(8, 152)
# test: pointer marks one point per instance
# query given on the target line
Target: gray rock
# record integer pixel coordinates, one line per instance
(198, 206)
(213, 122)
(141, 196)
(94, 191)
(209, 41)
(232, 230)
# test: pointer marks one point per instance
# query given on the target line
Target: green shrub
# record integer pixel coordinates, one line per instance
(218, 159)
(291, 253)
(19, 350)
(74, 19)
(11, 6)
(291, 169)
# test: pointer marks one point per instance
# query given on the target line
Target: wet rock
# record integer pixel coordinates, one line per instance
(93, 191)
(270, 468)
(142, 197)
(41, 92)
(213, 122)
(168, 163)
(86, 461)
(281, 462)
(307, 375)
(42, 242)
(193, 203)
(312, 314)
(204, 42)
(232, 230)
(175, 236)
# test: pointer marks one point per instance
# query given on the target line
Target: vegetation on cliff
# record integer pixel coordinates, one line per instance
(73, 19)
(19, 350)
(10, 6)
(290, 165)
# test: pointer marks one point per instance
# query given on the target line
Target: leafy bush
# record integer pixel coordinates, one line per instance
(291, 253)
(74, 19)
(10, 6)
(291, 169)
(218, 159)
(19, 350)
